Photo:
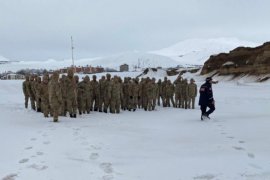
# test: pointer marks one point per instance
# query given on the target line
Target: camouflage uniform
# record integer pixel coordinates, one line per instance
(102, 90)
(169, 89)
(85, 92)
(184, 93)
(144, 94)
(135, 94)
(163, 91)
(108, 93)
(155, 93)
(178, 93)
(130, 93)
(26, 91)
(55, 96)
(37, 90)
(64, 95)
(32, 92)
(125, 93)
(116, 94)
(71, 88)
(159, 95)
(44, 94)
(140, 97)
(95, 94)
(192, 93)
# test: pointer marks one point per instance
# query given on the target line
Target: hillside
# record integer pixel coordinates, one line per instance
(3, 60)
(240, 61)
(197, 51)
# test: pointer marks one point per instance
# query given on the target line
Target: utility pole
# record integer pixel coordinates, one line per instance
(72, 57)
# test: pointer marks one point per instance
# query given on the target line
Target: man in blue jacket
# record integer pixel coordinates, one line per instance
(206, 98)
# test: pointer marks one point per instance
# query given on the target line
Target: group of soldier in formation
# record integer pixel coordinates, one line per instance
(57, 96)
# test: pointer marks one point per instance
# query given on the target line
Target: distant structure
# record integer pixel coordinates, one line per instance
(85, 69)
(124, 67)
(12, 76)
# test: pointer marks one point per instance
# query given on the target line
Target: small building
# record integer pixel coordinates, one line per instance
(124, 67)
(12, 76)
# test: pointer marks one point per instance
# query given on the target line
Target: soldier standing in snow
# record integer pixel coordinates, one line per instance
(55, 96)
(71, 88)
(26, 91)
(192, 93)
(206, 98)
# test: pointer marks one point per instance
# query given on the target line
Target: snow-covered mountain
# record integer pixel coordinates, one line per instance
(135, 58)
(197, 51)
(139, 59)
(188, 52)
(3, 59)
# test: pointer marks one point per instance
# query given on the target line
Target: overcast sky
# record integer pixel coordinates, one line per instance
(41, 29)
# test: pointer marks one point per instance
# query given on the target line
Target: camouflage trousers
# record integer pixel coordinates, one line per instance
(38, 101)
(133, 102)
(101, 103)
(126, 101)
(191, 102)
(55, 108)
(33, 105)
(72, 105)
(184, 102)
(26, 99)
(158, 99)
(45, 107)
(169, 100)
(107, 103)
(150, 103)
(94, 103)
(115, 105)
(178, 100)
(164, 102)
(85, 104)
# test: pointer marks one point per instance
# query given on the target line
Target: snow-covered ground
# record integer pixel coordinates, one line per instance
(168, 143)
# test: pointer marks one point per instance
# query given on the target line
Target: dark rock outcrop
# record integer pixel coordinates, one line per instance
(242, 60)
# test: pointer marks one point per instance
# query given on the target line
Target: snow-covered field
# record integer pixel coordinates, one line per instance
(166, 144)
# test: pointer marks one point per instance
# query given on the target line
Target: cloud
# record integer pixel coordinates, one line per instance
(41, 29)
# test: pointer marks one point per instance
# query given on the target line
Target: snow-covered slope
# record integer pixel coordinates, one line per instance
(135, 58)
(188, 52)
(3, 59)
(143, 60)
(197, 51)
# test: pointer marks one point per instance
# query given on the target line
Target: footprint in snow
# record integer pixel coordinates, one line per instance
(33, 139)
(39, 153)
(107, 177)
(46, 142)
(10, 177)
(95, 147)
(255, 166)
(230, 137)
(238, 148)
(205, 177)
(38, 167)
(28, 148)
(94, 156)
(106, 167)
(23, 160)
(85, 143)
(241, 142)
(251, 155)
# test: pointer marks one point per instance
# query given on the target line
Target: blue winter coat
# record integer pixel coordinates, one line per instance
(206, 94)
